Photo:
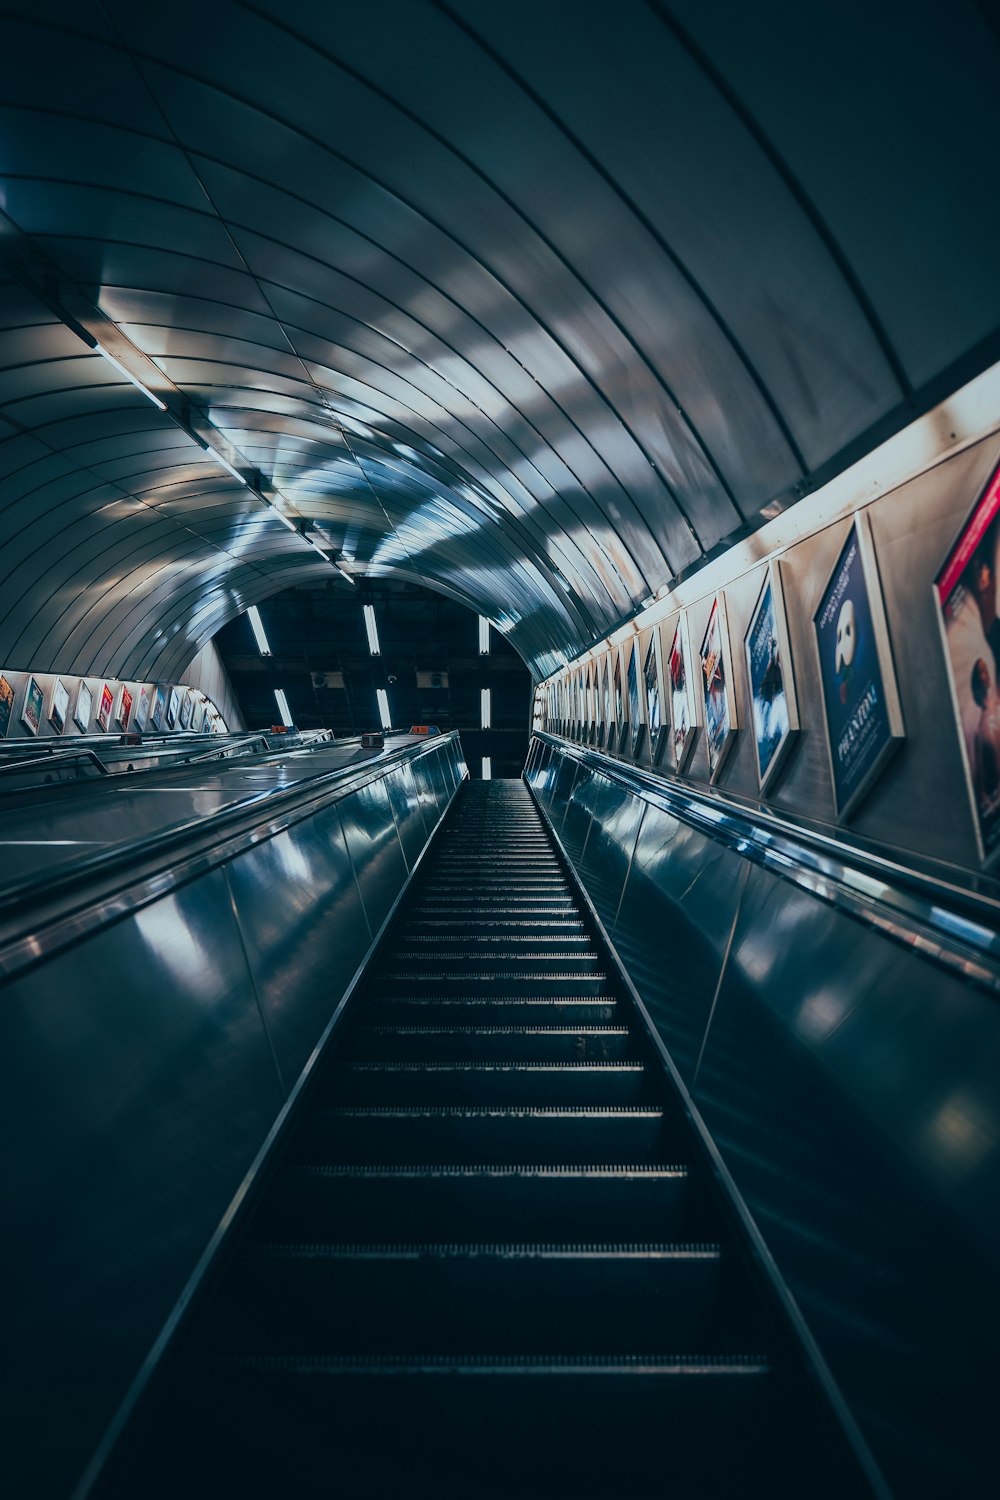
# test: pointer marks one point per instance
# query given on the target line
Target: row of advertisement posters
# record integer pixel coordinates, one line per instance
(657, 685)
(153, 707)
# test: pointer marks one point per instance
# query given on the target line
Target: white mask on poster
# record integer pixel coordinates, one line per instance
(846, 636)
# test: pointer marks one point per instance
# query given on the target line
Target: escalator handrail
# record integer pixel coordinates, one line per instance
(63, 758)
(128, 875)
(947, 921)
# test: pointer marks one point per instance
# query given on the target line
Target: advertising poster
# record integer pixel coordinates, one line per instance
(651, 674)
(588, 698)
(773, 710)
(965, 594)
(58, 707)
(186, 709)
(173, 707)
(158, 709)
(124, 709)
(6, 706)
(864, 723)
(682, 709)
(720, 705)
(606, 732)
(141, 715)
(619, 706)
(84, 708)
(634, 702)
(198, 717)
(104, 710)
(31, 713)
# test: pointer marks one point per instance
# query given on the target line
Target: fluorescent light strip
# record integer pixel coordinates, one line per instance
(224, 462)
(344, 573)
(257, 626)
(372, 629)
(283, 709)
(106, 354)
(487, 768)
(383, 708)
(485, 708)
(484, 636)
(286, 521)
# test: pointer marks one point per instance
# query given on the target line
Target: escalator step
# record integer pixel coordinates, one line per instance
(588, 1083)
(401, 1043)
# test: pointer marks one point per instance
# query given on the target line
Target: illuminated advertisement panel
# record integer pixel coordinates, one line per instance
(84, 708)
(773, 709)
(6, 706)
(58, 706)
(105, 708)
(683, 723)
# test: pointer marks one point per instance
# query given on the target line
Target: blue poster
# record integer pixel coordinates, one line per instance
(862, 724)
(772, 720)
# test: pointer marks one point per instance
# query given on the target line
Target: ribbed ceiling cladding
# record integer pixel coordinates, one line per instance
(534, 304)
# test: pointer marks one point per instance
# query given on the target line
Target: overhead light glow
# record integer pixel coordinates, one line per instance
(487, 768)
(257, 626)
(129, 376)
(484, 636)
(286, 521)
(485, 708)
(372, 629)
(224, 462)
(283, 709)
(344, 573)
(383, 708)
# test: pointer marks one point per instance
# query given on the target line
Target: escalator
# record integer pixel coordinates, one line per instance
(490, 1256)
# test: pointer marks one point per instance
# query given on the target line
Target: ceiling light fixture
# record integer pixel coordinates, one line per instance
(225, 463)
(106, 354)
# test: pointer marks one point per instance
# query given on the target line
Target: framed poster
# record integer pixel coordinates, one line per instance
(58, 706)
(588, 707)
(965, 595)
(774, 714)
(105, 707)
(198, 716)
(683, 712)
(124, 712)
(634, 700)
(605, 733)
(6, 706)
(721, 717)
(31, 709)
(864, 722)
(141, 714)
(158, 709)
(173, 707)
(84, 708)
(186, 709)
(652, 676)
(619, 726)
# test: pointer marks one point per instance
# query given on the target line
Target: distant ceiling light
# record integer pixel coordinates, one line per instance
(485, 708)
(344, 573)
(225, 463)
(130, 377)
(372, 629)
(383, 708)
(487, 768)
(283, 709)
(286, 521)
(257, 626)
(484, 636)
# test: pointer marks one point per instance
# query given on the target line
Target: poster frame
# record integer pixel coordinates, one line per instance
(861, 527)
(58, 705)
(680, 637)
(773, 579)
(655, 744)
(173, 707)
(718, 608)
(159, 707)
(988, 495)
(123, 708)
(140, 708)
(619, 702)
(33, 705)
(82, 711)
(7, 696)
(603, 663)
(105, 707)
(638, 725)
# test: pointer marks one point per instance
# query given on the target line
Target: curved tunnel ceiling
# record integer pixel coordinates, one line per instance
(536, 304)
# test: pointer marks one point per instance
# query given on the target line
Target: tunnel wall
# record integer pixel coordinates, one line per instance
(850, 1084)
(145, 1066)
(920, 803)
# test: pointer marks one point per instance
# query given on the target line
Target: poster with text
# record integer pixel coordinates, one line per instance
(34, 700)
(6, 706)
(198, 717)
(159, 708)
(58, 706)
(652, 677)
(186, 709)
(965, 593)
(619, 705)
(84, 708)
(173, 707)
(105, 708)
(124, 709)
(864, 723)
(682, 710)
(716, 674)
(773, 709)
(141, 715)
(607, 732)
(634, 700)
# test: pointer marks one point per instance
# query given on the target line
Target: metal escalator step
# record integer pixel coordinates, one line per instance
(497, 1043)
(490, 1132)
(532, 1009)
(548, 983)
(591, 1083)
(483, 1201)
